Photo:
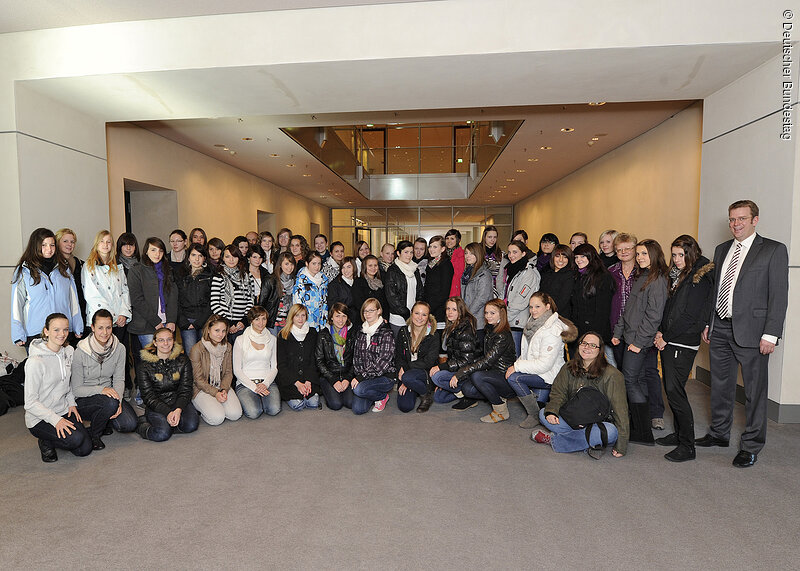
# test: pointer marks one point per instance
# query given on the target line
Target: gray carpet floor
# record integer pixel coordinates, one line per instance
(327, 490)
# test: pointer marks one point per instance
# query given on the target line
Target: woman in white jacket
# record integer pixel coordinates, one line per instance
(542, 355)
(105, 285)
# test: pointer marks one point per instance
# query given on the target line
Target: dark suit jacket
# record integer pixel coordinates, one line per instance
(761, 294)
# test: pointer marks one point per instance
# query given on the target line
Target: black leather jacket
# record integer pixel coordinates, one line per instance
(166, 384)
(396, 288)
(194, 298)
(462, 347)
(498, 354)
(267, 297)
(329, 367)
(427, 352)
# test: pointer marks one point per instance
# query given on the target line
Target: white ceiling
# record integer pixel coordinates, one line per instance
(24, 15)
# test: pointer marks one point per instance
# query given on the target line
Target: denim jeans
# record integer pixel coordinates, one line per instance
(441, 379)
(98, 409)
(568, 439)
(642, 382)
(609, 353)
(78, 441)
(145, 340)
(334, 399)
(517, 336)
(368, 391)
(522, 383)
(253, 404)
(160, 430)
(492, 385)
(308, 402)
(188, 339)
(214, 412)
(416, 381)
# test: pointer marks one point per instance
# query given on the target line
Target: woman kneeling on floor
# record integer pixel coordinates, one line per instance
(542, 355)
(460, 343)
(166, 381)
(212, 367)
(50, 411)
(255, 364)
(334, 355)
(98, 381)
(588, 368)
(373, 360)
(298, 377)
(416, 352)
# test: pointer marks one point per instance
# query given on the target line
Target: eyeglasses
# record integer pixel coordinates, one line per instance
(623, 250)
(371, 310)
(739, 219)
(164, 340)
(589, 345)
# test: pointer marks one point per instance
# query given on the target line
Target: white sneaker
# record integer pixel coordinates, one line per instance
(380, 404)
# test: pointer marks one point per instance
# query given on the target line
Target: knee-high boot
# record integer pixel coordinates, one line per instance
(641, 433)
(142, 426)
(532, 408)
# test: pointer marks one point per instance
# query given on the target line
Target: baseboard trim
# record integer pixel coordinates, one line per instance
(784, 413)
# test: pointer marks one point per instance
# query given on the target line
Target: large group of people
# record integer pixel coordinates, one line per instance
(214, 331)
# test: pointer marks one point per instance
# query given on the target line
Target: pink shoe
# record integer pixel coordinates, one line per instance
(380, 404)
(541, 437)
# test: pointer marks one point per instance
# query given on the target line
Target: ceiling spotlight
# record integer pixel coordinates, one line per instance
(595, 138)
(225, 149)
(567, 129)
(306, 174)
(533, 160)
(273, 155)
(597, 103)
(509, 180)
(545, 148)
(290, 165)
(520, 170)
(247, 138)
(232, 152)
(220, 146)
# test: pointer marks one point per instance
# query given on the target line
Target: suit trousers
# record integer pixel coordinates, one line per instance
(725, 356)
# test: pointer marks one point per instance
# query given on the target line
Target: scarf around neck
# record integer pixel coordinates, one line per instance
(127, 262)
(339, 341)
(159, 268)
(233, 281)
(408, 269)
(250, 337)
(674, 276)
(533, 325)
(100, 353)
(217, 353)
(465, 277)
(374, 283)
(369, 330)
(300, 333)
(512, 269)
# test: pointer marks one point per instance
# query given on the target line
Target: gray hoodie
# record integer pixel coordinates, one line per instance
(89, 377)
(47, 391)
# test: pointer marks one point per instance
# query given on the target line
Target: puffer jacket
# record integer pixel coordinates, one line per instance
(462, 347)
(329, 366)
(194, 298)
(396, 288)
(522, 286)
(166, 384)
(479, 290)
(427, 352)
(611, 383)
(544, 354)
(685, 310)
(499, 354)
(313, 297)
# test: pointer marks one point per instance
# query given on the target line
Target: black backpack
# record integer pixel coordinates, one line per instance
(589, 406)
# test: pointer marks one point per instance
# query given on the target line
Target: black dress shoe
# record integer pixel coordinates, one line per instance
(708, 441)
(668, 440)
(745, 459)
(426, 402)
(108, 430)
(48, 451)
(681, 454)
(97, 444)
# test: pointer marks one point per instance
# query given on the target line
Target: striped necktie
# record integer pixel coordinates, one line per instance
(723, 306)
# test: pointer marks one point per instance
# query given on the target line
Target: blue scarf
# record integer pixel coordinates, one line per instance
(159, 267)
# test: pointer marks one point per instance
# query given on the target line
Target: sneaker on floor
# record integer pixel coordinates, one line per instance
(657, 423)
(541, 437)
(465, 403)
(380, 404)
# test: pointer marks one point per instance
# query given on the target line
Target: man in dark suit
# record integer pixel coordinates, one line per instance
(746, 321)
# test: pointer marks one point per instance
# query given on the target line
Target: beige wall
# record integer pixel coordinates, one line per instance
(650, 186)
(213, 195)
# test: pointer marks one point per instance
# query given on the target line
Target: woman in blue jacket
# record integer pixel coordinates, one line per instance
(42, 285)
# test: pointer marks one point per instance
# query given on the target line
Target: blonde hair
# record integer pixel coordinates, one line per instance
(94, 258)
(294, 310)
(418, 335)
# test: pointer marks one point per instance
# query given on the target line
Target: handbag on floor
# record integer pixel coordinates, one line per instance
(589, 406)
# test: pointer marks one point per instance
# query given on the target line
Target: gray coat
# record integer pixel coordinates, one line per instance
(477, 292)
(524, 284)
(89, 377)
(643, 312)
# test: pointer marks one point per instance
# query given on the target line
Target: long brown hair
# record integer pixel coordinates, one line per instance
(658, 266)
(211, 322)
(598, 366)
(479, 252)
(463, 316)
(418, 335)
(32, 256)
(691, 253)
(278, 270)
(502, 326)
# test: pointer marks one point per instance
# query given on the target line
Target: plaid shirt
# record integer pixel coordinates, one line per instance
(624, 288)
(377, 359)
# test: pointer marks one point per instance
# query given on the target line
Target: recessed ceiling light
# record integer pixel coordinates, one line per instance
(567, 129)
(322, 196)
(225, 149)
(370, 125)
(247, 138)
(520, 170)
(349, 202)
(533, 160)
(469, 122)
(220, 146)
(503, 186)
(595, 138)
(545, 148)
(509, 180)
(232, 152)
(307, 175)
(273, 155)
(290, 165)
(597, 103)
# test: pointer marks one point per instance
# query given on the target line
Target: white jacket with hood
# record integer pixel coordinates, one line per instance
(47, 390)
(544, 354)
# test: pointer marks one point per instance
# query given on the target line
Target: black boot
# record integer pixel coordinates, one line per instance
(681, 454)
(427, 399)
(48, 451)
(142, 427)
(641, 433)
